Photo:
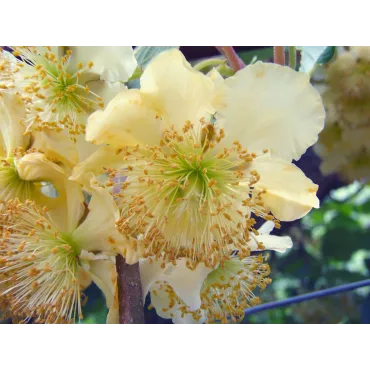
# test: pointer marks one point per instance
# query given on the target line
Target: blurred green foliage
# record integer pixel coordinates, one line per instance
(331, 247)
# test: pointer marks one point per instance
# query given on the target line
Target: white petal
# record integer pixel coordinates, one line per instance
(110, 63)
(160, 300)
(220, 89)
(98, 233)
(185, 282)
(12, 112)
(127, 120)
(179, 318)
(149, 273)
(106, 90)
(103, 157)
(56, 145)
(104, 275)
(69, 205)
(289, 193)
(275, 243)
(272, 107)
(178, 92)
(266, 228)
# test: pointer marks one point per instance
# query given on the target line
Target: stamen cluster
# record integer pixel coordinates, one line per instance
(39, 266)
(189, 196)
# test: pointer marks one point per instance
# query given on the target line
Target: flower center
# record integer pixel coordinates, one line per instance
(39, 266)
(55, 91)
(11, 185)
(189, 196)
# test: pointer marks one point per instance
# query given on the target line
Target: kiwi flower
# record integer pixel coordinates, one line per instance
(344, 143)
(24, 170)
(47, 257)
(63, 85)
(206, 295)
(202, 157)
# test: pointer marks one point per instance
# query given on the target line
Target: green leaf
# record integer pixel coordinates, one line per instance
(312, 55)
(327, 55)
(144, 54)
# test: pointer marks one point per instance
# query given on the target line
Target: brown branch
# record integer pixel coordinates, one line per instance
(279, 55)
(232, 57)
(131, 310)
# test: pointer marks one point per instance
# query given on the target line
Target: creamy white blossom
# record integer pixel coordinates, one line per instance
(201, 155)
(47, 257)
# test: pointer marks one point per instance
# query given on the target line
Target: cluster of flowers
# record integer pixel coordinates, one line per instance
(173, 176)
(344, 144)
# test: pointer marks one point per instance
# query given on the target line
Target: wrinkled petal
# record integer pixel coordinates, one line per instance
(289, 193)
(106, 90)
(266, 228)
(272, 107)
(69, 205)
(126, 120)
(101, 218)
(110, 63)
(220, 89)
(113, 313)
(12, 112)
(160, 300)
(270, 242)
(57, 145)
(177, 91)
(150, 272)
(185, 282)
(36, 167)
(275, 243)
(180, 318)
(103, 157)
(104, 275)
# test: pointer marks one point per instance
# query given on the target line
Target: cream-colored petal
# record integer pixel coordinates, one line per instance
(150, 272)
(272, 107)
(113, 313)
(69, 206)
(106, 90)
(127, 120)
(177, 91)
(110, 63)
(104, 275)
(270, 242)
(275, 243)
(266, 228)
(133, 250)
(185, 282)
(160, 300)
(220, 89)
(37, 167)
(180, 318)
(97, 233)
(12, 112)
(57, 145)
(289, 193)
(104, 157)
(60, 148)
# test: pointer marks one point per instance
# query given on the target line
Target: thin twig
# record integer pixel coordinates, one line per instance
(131, 310)
(279, 55)
(232, 57)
